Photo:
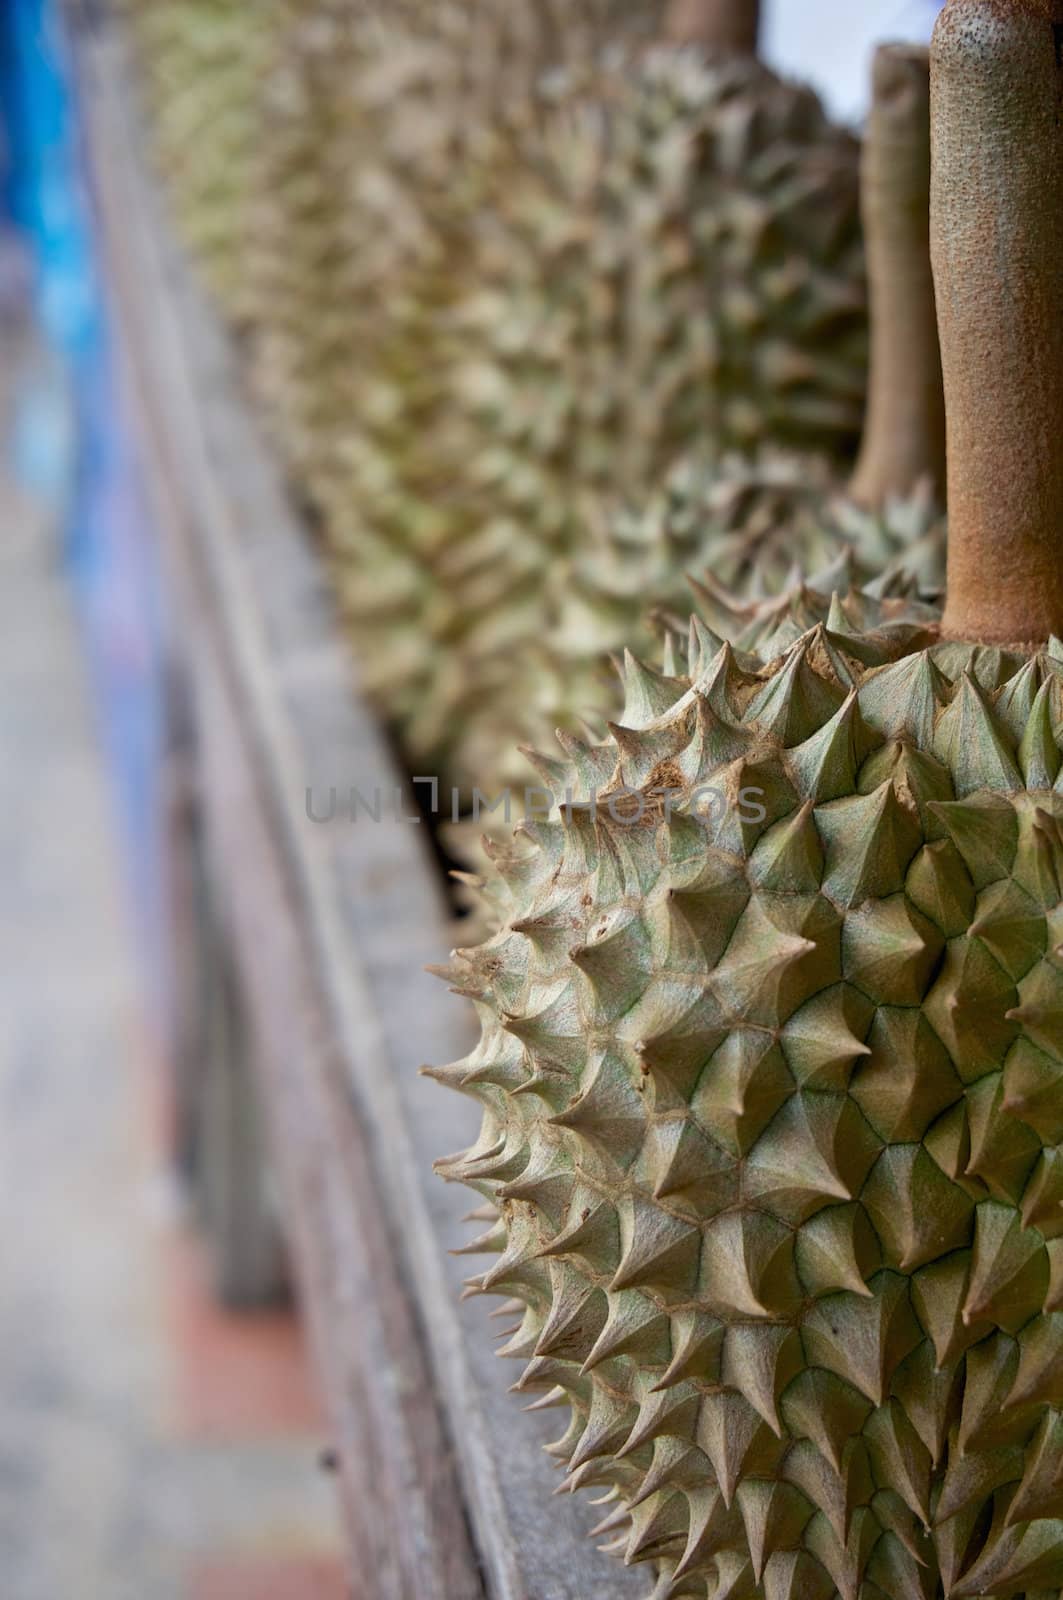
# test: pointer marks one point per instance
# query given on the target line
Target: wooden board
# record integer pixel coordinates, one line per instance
(447, 1493)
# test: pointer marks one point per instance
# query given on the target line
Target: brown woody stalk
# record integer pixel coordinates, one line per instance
(997, 243)
(718, 26)
(904, 432)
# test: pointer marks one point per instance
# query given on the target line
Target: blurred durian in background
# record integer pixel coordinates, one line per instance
(565, 340)
(202, 72)
(751, 529)
(506, 269)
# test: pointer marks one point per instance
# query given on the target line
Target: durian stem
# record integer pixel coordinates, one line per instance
(724, 26)
(997, 244)
(904, 430)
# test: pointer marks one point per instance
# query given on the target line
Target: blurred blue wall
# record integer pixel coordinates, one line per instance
(89, 467)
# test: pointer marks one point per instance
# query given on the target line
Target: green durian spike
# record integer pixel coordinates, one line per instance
(997, 243)
(904, 429)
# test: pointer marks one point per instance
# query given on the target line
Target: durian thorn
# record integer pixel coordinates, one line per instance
(714, 597)
(648, 1488)
(449, 1080)
(471, 880)
(475, 1247)
(518, 1349)
(607, 1497)
(626, 740)
(579, 1475)
(617, 1518)
(437, 970)
(551, 771)
(449, 1168)
(472, 1158)
(451, 1176)
(511, 1308)
(498, 1274)
(550, 1401)
(533, 1085)
(483, 1166)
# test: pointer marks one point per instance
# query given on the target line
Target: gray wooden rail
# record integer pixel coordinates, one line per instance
(446, 1493)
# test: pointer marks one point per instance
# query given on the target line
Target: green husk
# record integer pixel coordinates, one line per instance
(771, 1092)
(512, 333)
(203, 62)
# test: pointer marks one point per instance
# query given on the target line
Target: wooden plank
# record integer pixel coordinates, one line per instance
(335, 925)
(404, 1511)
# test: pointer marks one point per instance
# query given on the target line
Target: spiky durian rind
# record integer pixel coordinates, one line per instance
(485, 424)
(203, 63)
(744, 535)
(378, 128)
(772, 1108)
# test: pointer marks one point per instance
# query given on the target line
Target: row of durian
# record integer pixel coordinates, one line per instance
(546, 314)
(771, 1061)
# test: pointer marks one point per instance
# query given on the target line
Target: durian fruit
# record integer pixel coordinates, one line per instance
(772, 1053)
(726, 179)
(645, 253)
(684, 262)
(753, 526)
(890, 509)
(203, 62)
(300, 357)
(382, 130)
(759, 525)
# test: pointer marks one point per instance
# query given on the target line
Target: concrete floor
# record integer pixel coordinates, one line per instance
(150, 1447)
